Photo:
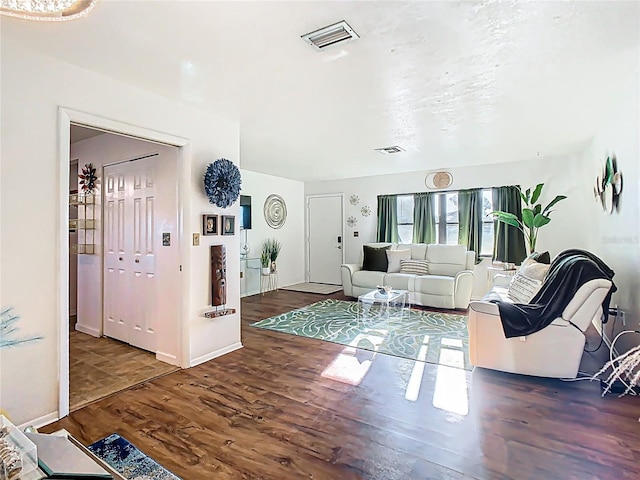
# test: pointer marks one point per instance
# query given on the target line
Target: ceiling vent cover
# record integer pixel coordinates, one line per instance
(338, 32)
(390, 150)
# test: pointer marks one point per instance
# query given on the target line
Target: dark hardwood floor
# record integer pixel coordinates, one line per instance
(276, 410)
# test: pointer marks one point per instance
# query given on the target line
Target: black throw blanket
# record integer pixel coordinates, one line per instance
(568, 272)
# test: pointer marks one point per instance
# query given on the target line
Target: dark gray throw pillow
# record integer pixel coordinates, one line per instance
(543, 257)
(375, 258)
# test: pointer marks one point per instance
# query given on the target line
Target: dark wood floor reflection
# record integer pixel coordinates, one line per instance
(275, 410)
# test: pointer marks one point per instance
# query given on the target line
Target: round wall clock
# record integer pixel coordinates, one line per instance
(222, 183)
(275, 211)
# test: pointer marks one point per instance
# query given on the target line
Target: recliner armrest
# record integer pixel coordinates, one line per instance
(346, 271)
(487, 308)
(352, 267)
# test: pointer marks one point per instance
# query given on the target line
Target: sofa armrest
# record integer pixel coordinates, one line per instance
(485, 308)
(347, 270)
(463, 288)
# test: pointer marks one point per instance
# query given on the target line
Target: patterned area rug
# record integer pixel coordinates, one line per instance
(432, 337)
(127, 460)
(321, 288)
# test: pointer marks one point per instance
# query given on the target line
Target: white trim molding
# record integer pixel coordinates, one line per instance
(216, 354)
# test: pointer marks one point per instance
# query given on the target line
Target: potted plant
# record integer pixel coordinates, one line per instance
(264, 261)
(533, 215)
(274, 250)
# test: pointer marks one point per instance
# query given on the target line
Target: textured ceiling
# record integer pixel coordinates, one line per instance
(453, 83)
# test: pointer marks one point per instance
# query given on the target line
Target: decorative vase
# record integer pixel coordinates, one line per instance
(265, 270)
(273, 266)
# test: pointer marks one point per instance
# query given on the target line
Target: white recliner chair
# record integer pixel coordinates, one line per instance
(555, 351)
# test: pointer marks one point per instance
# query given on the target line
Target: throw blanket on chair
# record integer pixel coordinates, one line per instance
(568, 272)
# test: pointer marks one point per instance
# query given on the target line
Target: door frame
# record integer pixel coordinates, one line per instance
(307, 235)
(66, 117)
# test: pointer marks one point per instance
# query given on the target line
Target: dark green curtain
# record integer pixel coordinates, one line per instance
(508, 245)
(387, 218)
(470, 219)
(424, 220)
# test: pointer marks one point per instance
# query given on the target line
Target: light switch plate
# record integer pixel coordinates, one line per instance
(196, 239)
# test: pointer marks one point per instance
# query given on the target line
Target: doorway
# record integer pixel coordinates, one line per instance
(172, 343)
(326, 235)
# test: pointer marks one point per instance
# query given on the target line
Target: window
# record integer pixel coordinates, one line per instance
(405, 218)
(447, 224)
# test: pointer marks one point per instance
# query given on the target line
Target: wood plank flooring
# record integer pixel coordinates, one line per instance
(274, 410)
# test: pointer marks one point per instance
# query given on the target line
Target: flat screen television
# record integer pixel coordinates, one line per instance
(245, 212)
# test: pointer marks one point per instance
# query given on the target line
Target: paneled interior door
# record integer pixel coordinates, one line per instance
(324, 227)
(130, 253)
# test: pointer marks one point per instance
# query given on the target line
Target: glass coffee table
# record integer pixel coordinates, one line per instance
(375, 305)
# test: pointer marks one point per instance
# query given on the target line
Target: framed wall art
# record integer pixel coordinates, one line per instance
(228, 225)
(209, 224)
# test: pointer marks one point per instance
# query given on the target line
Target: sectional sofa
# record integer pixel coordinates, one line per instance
(448, 283)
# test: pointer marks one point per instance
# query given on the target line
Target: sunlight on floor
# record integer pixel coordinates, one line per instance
(450, 391)
(413, 388)
(351, 365)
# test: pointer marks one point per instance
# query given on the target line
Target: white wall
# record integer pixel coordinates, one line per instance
(559, 174)
(616, 238)
(33, 87)
(291, 259)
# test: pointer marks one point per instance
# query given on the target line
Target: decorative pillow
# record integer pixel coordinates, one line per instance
(395, 257)
(543, 257)
(375, 259)
(416, 267)
(533, 269)
(522, 288)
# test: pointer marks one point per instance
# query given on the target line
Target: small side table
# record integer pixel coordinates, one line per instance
(268, 282)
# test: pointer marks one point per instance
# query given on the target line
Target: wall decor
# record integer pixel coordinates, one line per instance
(222, 183)
(228, 225)
(219, 282)
(8, 329)
(438, 180)
(352, 221)
(275, 211)
(209, 224)
(365, 211)
(88, 178)
(354, 199)
(608, 187)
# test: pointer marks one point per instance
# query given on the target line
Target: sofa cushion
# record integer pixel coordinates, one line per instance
(394, 257)
(522, 288)
(418, 250)
(399, 281)
(435, 285)
(375, 259)
(416, 267)
(367, 279)
(446, 259)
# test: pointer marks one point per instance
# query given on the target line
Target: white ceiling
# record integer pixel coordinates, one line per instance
(453, 83)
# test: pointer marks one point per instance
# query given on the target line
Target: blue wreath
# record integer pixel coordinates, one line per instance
(222, 182)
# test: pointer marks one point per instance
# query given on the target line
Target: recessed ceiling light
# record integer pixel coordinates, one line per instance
(338, 32)
(390, 150)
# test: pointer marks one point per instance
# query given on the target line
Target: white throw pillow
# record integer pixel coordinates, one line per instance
(522, 288)
(534, 270)
(395, 257)
(416, 267)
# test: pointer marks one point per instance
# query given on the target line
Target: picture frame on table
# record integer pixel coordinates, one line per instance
(228, 225)
(209, 224)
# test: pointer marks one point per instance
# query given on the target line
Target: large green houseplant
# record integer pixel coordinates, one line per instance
(534, 216)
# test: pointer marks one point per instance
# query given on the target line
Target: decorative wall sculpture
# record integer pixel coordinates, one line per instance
(218, 275)
(275, 211)
(222, 182)
(438, 180)
(608, 187)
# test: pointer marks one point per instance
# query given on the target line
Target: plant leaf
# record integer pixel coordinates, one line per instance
(528, 196)
(537, 209)
(527, 217)
(537, 192)
(540, 220)
(552, 203)
(506, 217)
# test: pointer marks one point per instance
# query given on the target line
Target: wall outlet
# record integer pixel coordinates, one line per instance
(196, 239)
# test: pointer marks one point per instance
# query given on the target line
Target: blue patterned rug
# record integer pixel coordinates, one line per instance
(127, 460)
(431, 337)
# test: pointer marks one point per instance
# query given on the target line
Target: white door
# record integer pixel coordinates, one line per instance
(130, 253)
(324, 217)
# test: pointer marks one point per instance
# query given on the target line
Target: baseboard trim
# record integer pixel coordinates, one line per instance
(167, 358)
(94, 332)
(41, 421)
(217, 353)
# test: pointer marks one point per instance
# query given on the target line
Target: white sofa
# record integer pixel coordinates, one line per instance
(555, 351)
(448, 284)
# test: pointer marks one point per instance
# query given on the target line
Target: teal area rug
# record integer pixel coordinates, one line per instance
(431, 337)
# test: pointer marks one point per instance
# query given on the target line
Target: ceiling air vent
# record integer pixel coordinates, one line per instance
(390, 150)
(330, 35)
